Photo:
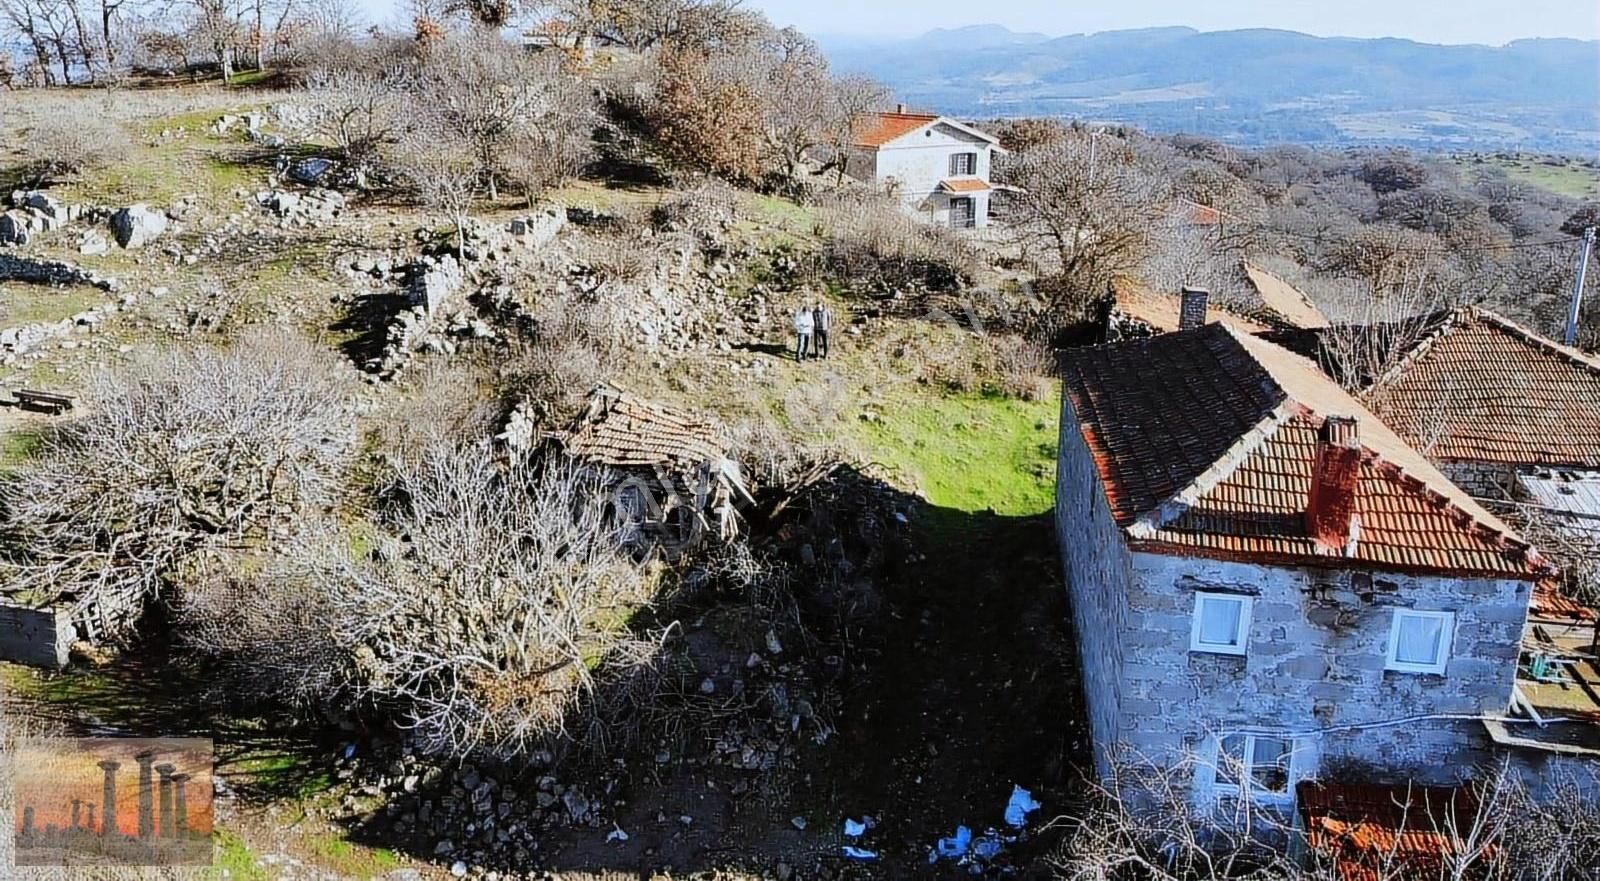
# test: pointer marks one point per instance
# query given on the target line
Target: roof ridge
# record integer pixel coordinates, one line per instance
(1224, 467)
(1538, 340)
(1423, 344)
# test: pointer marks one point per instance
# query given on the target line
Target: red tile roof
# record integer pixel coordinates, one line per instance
(1205, 439)
(964, 185)
(621, 430)
(877, 129)
(1480, 388)
(1370, 833)
(1549, 602)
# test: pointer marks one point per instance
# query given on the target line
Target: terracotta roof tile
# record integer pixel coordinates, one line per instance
(1482, 389)
(1205, 439)
(1549, 602)
(1368, 833)
(964, 185)
(621, 430)
(877, 129)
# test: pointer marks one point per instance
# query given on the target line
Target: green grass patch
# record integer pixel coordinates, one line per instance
(351, 860)
(18, 446)
(35, 304)
(282, 773)
(235, 861)
(1564, 177)
(971, 452)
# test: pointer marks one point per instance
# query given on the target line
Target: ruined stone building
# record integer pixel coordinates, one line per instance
(1269, 585)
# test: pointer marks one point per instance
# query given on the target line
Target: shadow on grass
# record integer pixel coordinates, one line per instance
(149, 691)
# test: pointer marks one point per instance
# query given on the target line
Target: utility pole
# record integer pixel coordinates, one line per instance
(1577, 287)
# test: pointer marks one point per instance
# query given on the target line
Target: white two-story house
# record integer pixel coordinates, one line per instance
(937, 166)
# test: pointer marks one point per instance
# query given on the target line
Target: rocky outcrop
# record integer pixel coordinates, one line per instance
(137, 225)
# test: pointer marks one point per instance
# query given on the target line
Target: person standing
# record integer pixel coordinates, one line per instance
(804, 324)
(822, 324)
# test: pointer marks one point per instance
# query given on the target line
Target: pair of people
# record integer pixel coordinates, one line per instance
(812, 325)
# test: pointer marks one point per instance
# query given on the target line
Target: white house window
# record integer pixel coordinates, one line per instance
(1419, 642)
(963, 163)
(1258, 764)
(1221, 624)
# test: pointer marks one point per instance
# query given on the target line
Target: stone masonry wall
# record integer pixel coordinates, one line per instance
(1315, 667)
(1484, 480)
(1098, 569)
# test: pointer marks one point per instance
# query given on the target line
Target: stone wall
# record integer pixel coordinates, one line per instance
(1098, 570)
(1314, 668)
(55, 273)
(38, 637)
(1482, 480)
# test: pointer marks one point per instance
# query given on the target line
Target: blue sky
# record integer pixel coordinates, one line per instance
(1458, 21)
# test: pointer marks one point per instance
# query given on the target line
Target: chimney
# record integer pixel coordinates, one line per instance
(900, 108)
(1331, 517)
(1192, 308)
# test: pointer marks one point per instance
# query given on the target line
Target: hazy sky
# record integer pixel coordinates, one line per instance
(1459, 21)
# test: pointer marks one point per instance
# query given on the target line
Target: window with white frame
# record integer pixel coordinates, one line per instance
(1221, 624)
(1419, 642)
(963, 164)
(1257, 764)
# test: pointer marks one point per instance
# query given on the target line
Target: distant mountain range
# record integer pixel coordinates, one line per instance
(1255, 86)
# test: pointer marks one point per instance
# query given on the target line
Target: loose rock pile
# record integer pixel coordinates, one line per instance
(35, 212)
(312, 208)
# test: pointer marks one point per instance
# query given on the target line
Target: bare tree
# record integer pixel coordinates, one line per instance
(1092, 200)
(491, 591)
(440, 165)
(361, 111)
(495, 96)
(178, 459)
(642, 24)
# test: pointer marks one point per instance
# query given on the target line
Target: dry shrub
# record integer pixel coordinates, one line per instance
(1021, 367)
(492, 591)
(872, 242)
(72, 142)
(177, 460)
(574, 349)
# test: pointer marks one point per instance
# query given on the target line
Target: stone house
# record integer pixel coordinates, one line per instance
(1268, 585)
(1510, 416)
(937, 167)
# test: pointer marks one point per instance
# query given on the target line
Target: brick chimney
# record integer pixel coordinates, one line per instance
(1192, 308)
(1331, 517)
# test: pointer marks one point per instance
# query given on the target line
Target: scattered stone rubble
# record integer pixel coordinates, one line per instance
(312, 208)
(437, 289)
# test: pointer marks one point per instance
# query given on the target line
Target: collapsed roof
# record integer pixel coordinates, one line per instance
(1207, 441)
